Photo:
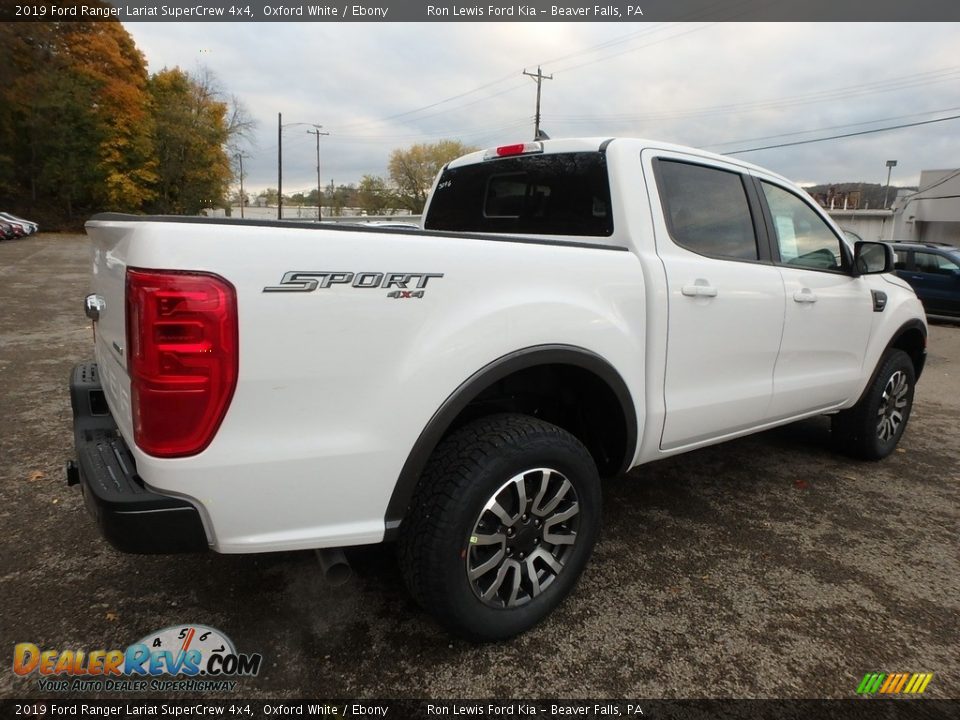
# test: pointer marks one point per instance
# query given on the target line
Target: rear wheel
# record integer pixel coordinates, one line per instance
(872, 428)
(501, 526)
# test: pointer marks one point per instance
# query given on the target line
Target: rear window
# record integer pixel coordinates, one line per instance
(558, 194)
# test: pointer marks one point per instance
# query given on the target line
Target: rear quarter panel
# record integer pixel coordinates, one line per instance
(335, 385)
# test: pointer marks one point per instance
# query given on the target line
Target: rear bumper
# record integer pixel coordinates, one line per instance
(131, 517)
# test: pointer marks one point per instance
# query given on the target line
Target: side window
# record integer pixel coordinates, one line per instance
(805, 240)
(900, 263)
(707, 210)
(936, 264)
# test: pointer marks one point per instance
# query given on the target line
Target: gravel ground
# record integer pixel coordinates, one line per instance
(765, 567)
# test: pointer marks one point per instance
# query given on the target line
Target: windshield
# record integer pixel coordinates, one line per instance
(555, 194)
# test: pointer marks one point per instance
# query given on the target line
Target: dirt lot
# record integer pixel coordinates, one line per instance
(767, 567)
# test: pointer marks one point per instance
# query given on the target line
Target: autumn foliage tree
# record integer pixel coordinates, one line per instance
(83, 128)
(104, 55)
(74, 97)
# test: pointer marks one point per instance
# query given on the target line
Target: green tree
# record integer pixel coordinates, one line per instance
(373, 195)
(190, 137)
(412, 171)
(268, 196)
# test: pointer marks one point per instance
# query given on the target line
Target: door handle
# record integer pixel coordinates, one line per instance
(804, 296)
(700, 288)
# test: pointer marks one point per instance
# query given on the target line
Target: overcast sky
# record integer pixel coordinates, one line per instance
(721, 86)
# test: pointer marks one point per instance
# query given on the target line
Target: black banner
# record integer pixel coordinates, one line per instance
(867, 709)
(479, 11)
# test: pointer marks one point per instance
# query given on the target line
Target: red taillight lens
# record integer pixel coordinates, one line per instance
(182, 358)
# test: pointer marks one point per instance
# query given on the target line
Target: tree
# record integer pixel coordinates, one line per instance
(373, 195)
(83, 128)
(413, 171)
(73, 96)
(268, 197)
(190, 135)
(106, 56)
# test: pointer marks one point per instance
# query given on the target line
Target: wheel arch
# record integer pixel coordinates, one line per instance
(911, 338)
(539, 373)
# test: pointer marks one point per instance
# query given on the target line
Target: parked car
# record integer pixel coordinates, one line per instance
(6, 231)
(16, 229)
(933, 270)
(29, 227)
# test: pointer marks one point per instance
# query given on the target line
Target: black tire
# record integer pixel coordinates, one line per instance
(870, 429)
(498, 458)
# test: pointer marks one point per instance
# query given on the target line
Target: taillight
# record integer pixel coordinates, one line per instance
(182, 358)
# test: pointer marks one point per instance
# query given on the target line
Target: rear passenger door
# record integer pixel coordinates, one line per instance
(828, 311)
(725, 300)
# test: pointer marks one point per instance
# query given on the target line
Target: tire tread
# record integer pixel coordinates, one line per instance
(452, 468)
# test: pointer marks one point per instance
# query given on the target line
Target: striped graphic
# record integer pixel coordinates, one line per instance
(894, 683)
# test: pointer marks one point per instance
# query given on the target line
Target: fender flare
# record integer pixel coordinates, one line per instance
(914, 324)
(907, 326)
(443, 418)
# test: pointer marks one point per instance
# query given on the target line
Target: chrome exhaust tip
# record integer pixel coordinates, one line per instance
(334, 566)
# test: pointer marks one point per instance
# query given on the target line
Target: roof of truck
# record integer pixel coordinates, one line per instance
(599, 144)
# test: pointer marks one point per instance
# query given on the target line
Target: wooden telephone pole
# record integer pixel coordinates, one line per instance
(316, 131)
(538, 78)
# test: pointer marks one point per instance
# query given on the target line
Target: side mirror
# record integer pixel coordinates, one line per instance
(870, 258)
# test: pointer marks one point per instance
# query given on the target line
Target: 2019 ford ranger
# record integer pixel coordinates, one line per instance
(571, 309)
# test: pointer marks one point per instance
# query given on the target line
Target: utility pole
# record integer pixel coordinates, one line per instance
(239, 156)
(891, 164)
(538, 78)
(279, 165)
(316, 131)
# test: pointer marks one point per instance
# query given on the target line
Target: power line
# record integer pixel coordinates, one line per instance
(888, 85)
(459, 107)
(630, 50)
(931, 186)
(446, 132)
(594, 48)
(431, 105)
(844, 135)
(829, 127)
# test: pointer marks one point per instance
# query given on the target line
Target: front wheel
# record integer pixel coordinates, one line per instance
(501, 526)
(871, 429)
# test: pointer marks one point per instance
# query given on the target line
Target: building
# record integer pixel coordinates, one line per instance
(867, 224)
(932, 214)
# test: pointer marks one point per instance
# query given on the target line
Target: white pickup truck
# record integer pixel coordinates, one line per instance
(571, 309)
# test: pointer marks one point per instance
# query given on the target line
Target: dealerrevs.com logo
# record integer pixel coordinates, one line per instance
(193, 658)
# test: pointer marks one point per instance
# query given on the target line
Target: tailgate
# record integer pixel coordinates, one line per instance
(110, 242)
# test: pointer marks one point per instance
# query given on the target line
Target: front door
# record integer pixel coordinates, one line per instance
(828, 311)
